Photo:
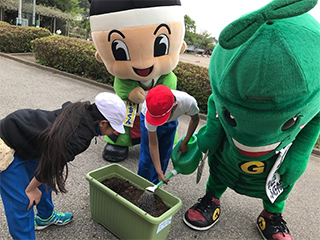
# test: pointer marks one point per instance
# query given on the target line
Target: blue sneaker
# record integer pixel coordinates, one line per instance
(56, 219)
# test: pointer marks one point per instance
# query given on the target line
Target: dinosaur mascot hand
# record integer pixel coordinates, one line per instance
(204, 139)
(137, 95)
(292, 169)
(210, 135)
(298, 155)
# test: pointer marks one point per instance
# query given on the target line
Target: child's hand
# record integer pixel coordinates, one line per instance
(162, 178)
(34, 196)
(183, 147)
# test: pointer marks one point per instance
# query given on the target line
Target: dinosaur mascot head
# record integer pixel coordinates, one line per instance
(265, 80)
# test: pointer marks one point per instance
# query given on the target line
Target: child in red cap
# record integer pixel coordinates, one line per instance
(158, 126)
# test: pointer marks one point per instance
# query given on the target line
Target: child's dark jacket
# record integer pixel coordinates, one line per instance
(21, 130)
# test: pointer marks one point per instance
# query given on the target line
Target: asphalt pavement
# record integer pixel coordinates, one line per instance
(28, 85)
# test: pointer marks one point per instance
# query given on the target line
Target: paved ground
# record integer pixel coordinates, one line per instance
(195, 59)
(25, 86)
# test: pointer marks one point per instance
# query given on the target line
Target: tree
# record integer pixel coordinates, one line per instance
(205, 39)
(190, 27)
(71, 6)
(202, 40)
(190, 24)
(84, 4)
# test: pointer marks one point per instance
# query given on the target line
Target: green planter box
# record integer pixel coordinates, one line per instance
(121, 217)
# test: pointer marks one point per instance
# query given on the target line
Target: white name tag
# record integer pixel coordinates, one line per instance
(273, 184)
(164, 224)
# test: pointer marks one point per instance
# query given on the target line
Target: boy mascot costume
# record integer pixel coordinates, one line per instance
(264, 113)
(139, 42)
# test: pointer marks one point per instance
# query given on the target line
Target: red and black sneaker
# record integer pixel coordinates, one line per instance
(272, 226)
(204, 214)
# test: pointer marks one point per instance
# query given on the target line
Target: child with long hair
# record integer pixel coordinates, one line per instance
(35, 147)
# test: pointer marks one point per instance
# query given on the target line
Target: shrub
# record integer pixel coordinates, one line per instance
(194, 80)
(71, 55)
(4, 24)
(16, 39)
(77, 56)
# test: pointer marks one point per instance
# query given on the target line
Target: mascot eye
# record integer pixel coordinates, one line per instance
(290, 123)
(161, 46)
(230, 118)
(120, 51)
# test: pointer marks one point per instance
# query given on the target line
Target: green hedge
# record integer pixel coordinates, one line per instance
(4, 24)
(16, 39)
(194, 80)
(71, 55)
(77, 56)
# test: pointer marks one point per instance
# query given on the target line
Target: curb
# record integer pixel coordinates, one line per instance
(15, 56)
(316, 152)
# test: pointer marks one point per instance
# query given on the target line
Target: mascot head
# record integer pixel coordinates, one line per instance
(265, 76)
(137, 39)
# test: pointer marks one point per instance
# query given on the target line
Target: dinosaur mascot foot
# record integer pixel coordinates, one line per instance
(114, 153)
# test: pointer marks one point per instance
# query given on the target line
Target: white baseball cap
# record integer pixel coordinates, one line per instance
(112, 107)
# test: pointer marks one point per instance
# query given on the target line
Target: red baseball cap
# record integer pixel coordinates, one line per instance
(159, 103)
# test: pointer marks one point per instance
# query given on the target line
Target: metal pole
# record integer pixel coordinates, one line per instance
(1, 14)
(34, 13)
(19, 13)
(54, 25)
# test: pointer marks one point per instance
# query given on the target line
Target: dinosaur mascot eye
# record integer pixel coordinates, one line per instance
(230, 118)
(290, 123)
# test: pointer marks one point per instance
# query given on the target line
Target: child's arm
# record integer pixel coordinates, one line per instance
(33, 193)
(154, 153)
(194, 121)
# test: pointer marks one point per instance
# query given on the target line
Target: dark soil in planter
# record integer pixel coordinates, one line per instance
(149, 202)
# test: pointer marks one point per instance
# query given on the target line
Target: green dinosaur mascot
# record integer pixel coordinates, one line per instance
(264, 112)
(139, 42)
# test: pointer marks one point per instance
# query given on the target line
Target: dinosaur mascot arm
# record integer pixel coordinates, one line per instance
(211, 134)
(297, 157)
